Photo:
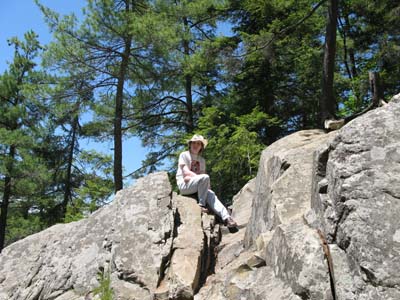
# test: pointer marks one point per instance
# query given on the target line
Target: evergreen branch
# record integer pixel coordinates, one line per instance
(285, 30)
(6, 99)
(158, 102)
(108, 26)
(86, 64)
(55, 24)
(154, 125)
(208, 18)
(164, 114)
(310, 13)
(203, 32)
(148, 118)
(139, 59)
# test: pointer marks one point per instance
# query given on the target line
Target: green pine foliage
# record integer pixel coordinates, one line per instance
(43, 170)
(19, 226)
(368, 40)
(22, 172)
(234, 148)
(282, 63)
(185, 75)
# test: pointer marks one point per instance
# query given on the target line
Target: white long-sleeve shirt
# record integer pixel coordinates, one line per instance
(196, 163)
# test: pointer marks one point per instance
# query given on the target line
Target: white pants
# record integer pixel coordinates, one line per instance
(199, 184)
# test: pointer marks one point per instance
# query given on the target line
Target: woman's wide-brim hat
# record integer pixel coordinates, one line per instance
(199, 138)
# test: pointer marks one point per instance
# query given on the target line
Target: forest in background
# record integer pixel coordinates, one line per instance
(157, 70)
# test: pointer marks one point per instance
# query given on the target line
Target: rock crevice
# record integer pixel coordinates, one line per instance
(191, 252)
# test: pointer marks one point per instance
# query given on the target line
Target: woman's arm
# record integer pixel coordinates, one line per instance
(187, 173)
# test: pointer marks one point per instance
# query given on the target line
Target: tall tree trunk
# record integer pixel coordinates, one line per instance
(353, 62)
(328, 103)
(351, 49)
(188, 86)
(189, 103)
(118, 180)
(376, 88)
(6, 198)
(349, 54)
(68, 187)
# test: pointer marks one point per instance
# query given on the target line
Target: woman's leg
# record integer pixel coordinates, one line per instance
(198, 184)
(216, 205)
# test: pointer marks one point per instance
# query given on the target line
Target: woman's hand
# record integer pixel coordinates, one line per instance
(187, 178)
(187, 174)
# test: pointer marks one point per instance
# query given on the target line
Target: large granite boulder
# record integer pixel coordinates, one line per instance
(357, 203)
(190, 257)
(276, 256)
(144, 236)
(233, 244)
(283, 182)
(126, 240)
(325, 218)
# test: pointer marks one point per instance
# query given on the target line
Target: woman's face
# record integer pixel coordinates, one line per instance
(195, 147)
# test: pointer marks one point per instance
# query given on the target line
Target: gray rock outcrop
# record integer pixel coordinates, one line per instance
(142, 238)
(190, 255)
(357, 202)
(325, 218)
(280, 255)
(320, 221)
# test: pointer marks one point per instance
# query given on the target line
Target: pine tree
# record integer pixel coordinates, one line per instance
(368, 40)
(68, 99)
(234, 148)
(22, 173)
(104, 50)
(328, 105)
(282, 63)
(185, 75)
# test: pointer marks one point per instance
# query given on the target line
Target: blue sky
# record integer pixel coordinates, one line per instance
(20, 16)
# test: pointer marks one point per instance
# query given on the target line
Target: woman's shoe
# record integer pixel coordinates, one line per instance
(204, 210)
(230, 223)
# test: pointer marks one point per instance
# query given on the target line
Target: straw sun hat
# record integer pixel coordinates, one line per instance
(199, 138)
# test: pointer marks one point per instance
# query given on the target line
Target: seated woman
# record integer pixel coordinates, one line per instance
(191, 178)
